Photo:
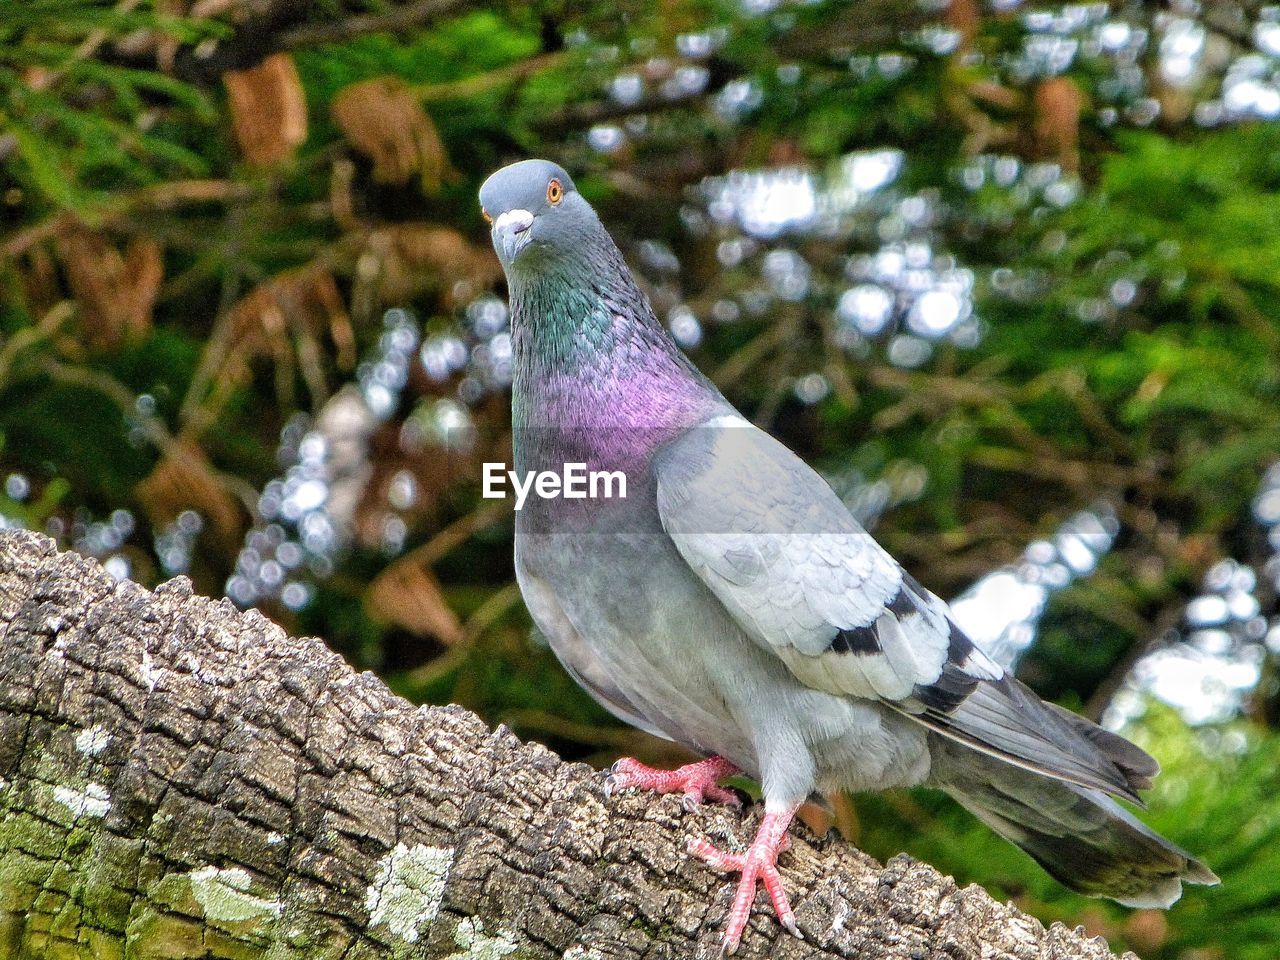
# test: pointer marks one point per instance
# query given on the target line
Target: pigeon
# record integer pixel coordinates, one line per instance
(731, 603)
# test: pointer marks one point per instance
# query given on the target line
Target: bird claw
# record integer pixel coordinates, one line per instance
(697, 782)
(758, 863)
(789, 924)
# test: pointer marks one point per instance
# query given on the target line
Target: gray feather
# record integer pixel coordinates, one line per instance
(776, 546)
(1081, 837)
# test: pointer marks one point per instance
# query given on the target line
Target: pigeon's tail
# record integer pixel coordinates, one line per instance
(1082, 837)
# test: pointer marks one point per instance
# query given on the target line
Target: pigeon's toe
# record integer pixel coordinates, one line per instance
(758, 863)
(698, 782)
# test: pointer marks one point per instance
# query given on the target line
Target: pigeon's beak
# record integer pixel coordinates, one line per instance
(511, 233)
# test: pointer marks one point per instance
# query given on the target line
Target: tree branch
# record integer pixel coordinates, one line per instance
(263, 27)
(186, 778)
(392, 21)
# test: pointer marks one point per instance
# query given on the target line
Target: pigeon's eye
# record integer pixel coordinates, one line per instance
(555, 192)
(485, 213)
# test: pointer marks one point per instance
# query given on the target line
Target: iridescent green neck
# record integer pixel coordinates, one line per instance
(591, 359)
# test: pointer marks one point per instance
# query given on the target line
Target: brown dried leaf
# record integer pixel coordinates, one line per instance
(1098, 923)
(965, 18)
(38, 276)
(341, 193)
(409, 259)
(385, 121)
(1147, 930)
(1057, 104)
(845, 815)
(116, 289)
(185, 480)
(268, 109)
(408, 595)
(304, 300)
(816, 817)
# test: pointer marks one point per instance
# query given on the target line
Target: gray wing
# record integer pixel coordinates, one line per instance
(802, 578)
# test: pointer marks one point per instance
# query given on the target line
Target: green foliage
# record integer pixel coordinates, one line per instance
(76, 121)
(1128, 344)
(1216, 793)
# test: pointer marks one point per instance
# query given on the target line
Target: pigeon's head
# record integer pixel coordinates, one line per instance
(537, 214)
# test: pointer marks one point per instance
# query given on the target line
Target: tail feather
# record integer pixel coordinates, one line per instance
(1006, 720)
(1138, 766)
(1079, 835)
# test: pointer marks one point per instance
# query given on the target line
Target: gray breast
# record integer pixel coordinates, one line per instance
(624, 613)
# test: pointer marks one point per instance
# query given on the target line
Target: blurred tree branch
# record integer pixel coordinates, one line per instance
(403, 17)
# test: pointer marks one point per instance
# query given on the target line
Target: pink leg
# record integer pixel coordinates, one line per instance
(760, 862)
(697, 781)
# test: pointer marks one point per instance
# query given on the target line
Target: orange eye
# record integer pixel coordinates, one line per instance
(555, 192)
(485, 213)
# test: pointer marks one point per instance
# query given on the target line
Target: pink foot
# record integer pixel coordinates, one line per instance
(697, 781)
(760, 862)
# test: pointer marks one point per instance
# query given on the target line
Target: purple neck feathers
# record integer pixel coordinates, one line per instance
(593, 366)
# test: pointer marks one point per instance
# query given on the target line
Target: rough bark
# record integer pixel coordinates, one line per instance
(182, 780)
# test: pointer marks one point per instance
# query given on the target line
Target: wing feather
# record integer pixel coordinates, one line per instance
(781, 552)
